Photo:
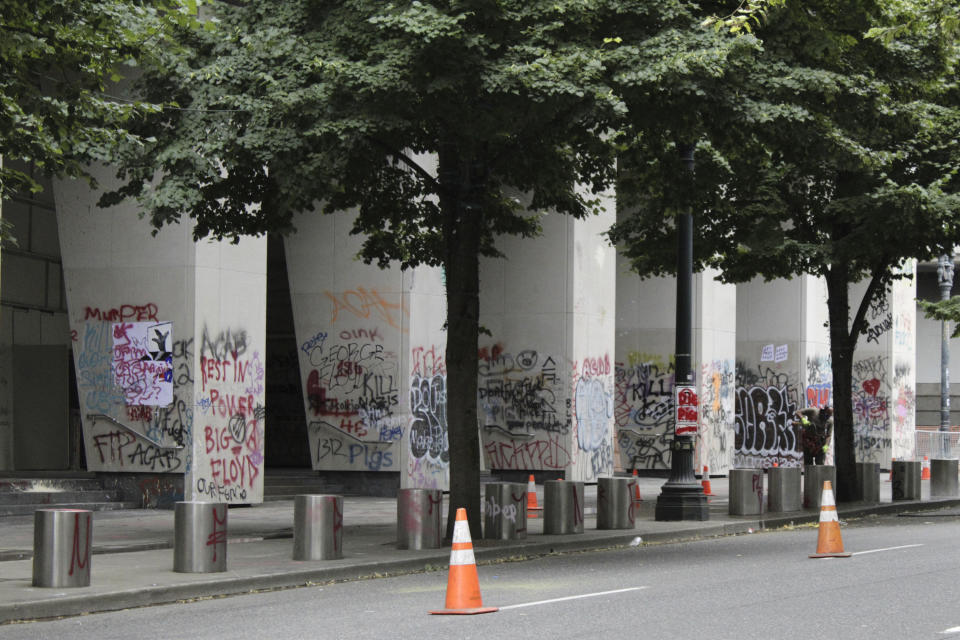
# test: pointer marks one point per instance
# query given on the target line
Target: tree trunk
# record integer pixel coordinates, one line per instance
(842, 345)
(462, 231)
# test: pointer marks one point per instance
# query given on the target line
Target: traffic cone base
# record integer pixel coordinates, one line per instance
(829, 540)
(463, 583)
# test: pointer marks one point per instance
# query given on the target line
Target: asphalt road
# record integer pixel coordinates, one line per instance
(900, 583)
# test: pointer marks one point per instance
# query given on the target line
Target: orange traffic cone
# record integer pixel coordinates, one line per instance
(925, 469)
(705, 483)
(533, 508)
(829, 541)
(463, 584)
(892, 460)
(636, 487)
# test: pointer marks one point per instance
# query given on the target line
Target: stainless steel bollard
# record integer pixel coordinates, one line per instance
(199, 537)
(615, 503)
(814, 475)
(784, 489)
(868, 474)
(419, 515)
(61, 547)
(505, 511)
(906, 480)
(317, 527)
(746, 492)
(943, 478)
(562, 507)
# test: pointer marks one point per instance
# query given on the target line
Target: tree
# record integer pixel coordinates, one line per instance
(59, 60)
(294, 103)
(289, 104)
(839, 165)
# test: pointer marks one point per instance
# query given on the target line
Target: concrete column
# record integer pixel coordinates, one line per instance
(546, 386)
(783, 365)
(168, 340)
(645, 370)
(884, 376)
(372, 357)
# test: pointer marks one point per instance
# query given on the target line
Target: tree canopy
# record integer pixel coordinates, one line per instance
(60, 60)
(843, 164)
(298, 105)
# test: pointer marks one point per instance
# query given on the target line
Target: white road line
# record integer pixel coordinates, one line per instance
(950, 630)
(585, 595)
(906, 546)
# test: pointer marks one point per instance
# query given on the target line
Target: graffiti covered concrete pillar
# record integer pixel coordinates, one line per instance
(371, 350)
(646, 317)
(546, 371)
(229, 332)
(884, 376)
(168, 340)
(783, 365)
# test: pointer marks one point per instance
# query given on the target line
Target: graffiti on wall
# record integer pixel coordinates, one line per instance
(871, 401)
(643, 409)
(819, 381)
(142, 379)
(353, 394)
(879, 318)
(765, 430)
(143, 362)
(904, 409)
(524, 410)
(714, 437)
(230, 419)
(593, 414)
(367, 305)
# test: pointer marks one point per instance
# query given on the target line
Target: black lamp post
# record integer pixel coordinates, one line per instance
(682, 497)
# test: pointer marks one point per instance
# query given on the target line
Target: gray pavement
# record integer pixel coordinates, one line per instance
(132, 563)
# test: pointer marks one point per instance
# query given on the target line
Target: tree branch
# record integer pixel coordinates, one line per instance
(859, 320)
(420, 171)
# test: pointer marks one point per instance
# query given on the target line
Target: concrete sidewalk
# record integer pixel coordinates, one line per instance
(133, 561)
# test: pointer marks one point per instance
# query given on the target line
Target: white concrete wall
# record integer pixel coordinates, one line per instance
(593, 349)
(646, 339)
(211, 298)
(229, 301)
(715, 335)
(884, 376)
(546, 371)
(372, 356)
(783, 365)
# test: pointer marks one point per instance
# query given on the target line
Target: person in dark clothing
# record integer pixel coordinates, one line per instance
(816, 429)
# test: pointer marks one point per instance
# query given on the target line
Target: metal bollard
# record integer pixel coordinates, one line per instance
(562, 507)
(906, 480)
(317, 527)
(615, 503)
(199, 537)
(784, 489)
(868, 474)
(61, 547)
(419, 515)
(746, 492)
(814, 475)
(505, 511)
(943, 478)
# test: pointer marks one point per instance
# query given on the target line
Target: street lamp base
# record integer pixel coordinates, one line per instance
(681, 502)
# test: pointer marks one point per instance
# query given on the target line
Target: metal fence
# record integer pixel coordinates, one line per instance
(938, 444)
